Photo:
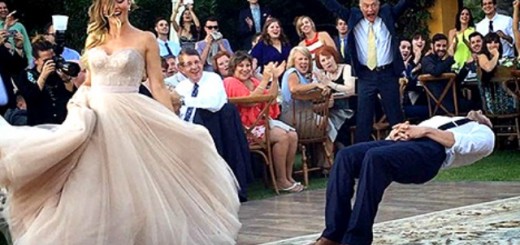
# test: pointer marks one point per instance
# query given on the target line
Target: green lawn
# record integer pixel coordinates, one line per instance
(500, 166)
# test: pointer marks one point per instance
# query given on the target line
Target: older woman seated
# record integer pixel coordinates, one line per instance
(297, 80)
(242, 83)
(338, 77)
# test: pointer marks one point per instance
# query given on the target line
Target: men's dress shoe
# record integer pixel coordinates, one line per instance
(324, 241)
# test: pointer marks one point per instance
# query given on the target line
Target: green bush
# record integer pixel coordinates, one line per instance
(37, 13)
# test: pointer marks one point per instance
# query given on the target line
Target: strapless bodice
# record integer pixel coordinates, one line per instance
(119, 72)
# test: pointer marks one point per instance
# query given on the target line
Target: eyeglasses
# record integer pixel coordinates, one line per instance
(212, 27)
(189, 64)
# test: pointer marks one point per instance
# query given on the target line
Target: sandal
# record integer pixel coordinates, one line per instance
(295, 187)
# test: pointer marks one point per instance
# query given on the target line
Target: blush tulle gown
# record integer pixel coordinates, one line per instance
(121, 169)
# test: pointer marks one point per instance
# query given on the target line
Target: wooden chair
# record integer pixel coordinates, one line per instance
(437, 100)
(311, 123)
(500, 101)
(261, 146)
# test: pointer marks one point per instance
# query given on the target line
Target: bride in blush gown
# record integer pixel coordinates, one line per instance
(122, 168)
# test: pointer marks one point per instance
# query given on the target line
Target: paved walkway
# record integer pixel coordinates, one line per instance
(299, 214)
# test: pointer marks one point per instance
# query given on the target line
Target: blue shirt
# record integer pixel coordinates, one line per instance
(383, 42)
(174, 47)
(70, 54)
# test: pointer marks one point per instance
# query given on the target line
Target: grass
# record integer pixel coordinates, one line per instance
(499, 166)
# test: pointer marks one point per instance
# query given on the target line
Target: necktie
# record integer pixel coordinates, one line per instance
(372, 54)
(189, 111)
(170, 53)
(490, 26)
(342, 47)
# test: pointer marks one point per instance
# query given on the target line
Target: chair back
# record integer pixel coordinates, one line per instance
(261, 120)
(442, 93)
(310, 122)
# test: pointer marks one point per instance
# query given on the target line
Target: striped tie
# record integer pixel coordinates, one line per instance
(189, 111)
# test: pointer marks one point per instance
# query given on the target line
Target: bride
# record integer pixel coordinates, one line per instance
(122, 168)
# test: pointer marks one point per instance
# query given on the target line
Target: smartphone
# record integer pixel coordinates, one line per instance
(12, 33)
(186, 2)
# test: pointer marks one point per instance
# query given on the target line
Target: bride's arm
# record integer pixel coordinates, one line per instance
(153, 71)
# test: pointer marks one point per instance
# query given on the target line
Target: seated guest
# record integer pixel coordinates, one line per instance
(338, 77)
(284, 140)
(204, 101)
(221, 64)
(171, 66)
(297, 80)
(496, 98)
(17, 116)
(413, 154)
(438, 62)
(201, 89)
(414, 98)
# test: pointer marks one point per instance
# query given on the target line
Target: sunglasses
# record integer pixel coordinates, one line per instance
(212, 27)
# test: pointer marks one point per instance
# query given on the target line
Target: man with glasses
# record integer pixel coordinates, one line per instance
(68, 54)
(212, 43)
(201, 89)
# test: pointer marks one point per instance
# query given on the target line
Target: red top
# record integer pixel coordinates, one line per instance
(248, 114)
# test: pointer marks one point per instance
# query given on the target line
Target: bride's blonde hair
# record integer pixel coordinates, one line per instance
(98, 26)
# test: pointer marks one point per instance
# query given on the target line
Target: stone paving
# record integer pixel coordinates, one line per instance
(300, 214)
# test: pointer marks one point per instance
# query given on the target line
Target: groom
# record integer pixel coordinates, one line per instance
(412, 154)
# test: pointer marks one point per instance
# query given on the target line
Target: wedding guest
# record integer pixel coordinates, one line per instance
(283, 138)
(273, 45)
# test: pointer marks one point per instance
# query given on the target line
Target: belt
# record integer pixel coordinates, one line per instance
(380, 68)
(454, 124)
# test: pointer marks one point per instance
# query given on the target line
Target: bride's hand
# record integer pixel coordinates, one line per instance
(176, 101)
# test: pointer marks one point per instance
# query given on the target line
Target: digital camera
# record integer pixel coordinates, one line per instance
(68, 68)
(216, 35)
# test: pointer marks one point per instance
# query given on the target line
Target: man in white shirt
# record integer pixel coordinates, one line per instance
(166, 47)
(501, 24)
(411, 154)
(201, 90)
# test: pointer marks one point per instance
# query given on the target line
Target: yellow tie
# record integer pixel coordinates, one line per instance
(372, 53)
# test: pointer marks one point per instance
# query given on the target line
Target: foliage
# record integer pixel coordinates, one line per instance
(37, 13)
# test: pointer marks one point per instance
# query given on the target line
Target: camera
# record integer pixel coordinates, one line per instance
(12, 33)
(68, 68)
(216, 35)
